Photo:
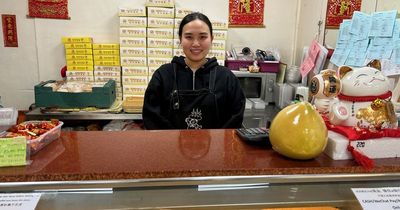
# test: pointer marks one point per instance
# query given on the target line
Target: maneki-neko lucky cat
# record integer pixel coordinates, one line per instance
(364, 99)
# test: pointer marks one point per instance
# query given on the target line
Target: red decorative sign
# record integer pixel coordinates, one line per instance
(57, 9)
(9, 30)
(248, 13)
(338, 10)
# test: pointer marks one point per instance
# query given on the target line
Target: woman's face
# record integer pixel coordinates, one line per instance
(196, 40)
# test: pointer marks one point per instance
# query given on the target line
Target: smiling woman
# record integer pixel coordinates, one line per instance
(193, 91)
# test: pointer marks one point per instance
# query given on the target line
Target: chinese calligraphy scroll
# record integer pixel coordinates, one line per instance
(338, 10)
(9, 30)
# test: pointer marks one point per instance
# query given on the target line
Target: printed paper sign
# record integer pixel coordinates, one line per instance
(19, 201)
(378, 198)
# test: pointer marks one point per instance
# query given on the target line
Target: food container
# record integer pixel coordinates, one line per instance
(44, 139)
(8, 118)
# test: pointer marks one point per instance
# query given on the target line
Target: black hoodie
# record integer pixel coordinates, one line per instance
(230, 97)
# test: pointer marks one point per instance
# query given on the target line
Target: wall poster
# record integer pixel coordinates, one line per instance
(338, 10)
(9, 30)
(57, 9)
(246, 13)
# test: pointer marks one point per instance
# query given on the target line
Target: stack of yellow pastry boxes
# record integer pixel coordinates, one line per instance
(160, 33)
(133, 51)
(220, 33)
(79, 56)
(107, 66)
(179, 14)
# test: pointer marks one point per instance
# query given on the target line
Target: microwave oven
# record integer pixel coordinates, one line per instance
(257, 86)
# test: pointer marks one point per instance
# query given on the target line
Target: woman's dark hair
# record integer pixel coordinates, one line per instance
(194, 16)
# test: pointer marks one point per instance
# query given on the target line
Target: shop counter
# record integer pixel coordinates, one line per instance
(164, 169)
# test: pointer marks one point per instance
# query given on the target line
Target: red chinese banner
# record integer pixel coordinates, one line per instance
(248, 13)
(57, 9)
(338, 10)
(9, 30)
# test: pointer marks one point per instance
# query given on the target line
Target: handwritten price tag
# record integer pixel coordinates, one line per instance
(13, 151)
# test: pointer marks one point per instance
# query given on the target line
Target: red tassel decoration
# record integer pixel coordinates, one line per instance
(361, 159)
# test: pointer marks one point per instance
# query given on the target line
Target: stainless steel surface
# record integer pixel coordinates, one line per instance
(184, 181)
(36, 114)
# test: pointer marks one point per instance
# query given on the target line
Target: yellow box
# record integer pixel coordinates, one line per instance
(79, 57)
(106, 63)
(220, 34)
(219, 24)
(107, 68)
(178, 52)
(135, 12)
(134, 89)
(159, 52)
(80, 79)
(135, 71)
(153, 22)
(132, 42)
(218, 44)
(78, 51)
(219, 54)
(160, 33)
(132, 21)
(132, 32)
(79, 62)
(106, 58)
(78, 46)
(106, 52)
(182, 12)
(80, 68)
(133, 51)
(152, 61)
(117, 79)
(105, 46)
(160, 12)
(76, 40)
(107, 74)
(79, 73)
(160, 3)
(159, 43)
(177, 22)
(221, 62)
(134, 80)
(133, 61)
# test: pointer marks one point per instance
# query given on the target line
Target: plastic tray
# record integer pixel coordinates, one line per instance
(8, 118)
(39, 143)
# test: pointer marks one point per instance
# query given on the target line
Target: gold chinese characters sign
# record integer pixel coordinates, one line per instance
(57, 9)
(9, 30)
(338, 10)
(246, 13)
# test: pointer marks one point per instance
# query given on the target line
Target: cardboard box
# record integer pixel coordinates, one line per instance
(79, 73)
(135, 71)
(106, 58)
(160, 3)
(133, 51)
(132, 22)
(132, 32)
(133, 61)
(80, 78)
(79, 62)
(107, 63)
(134, 89)
(132, 12)
(219, 54)
(134, 80)
(219, 24)
(107, 73)
(177, 22)
(79, 57)
(78, 51)
(106, 52)
(153, 22)
(80, 68)
(105, 46)
(154, 61)
(182, 12)
(218, 44)
(101, 97)
(132, 42)
(76, 40)
(159, 43)
(160, 12)
(107, 68)
(78, 46)
(167, 33)
(159, 52)
(220, 34)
